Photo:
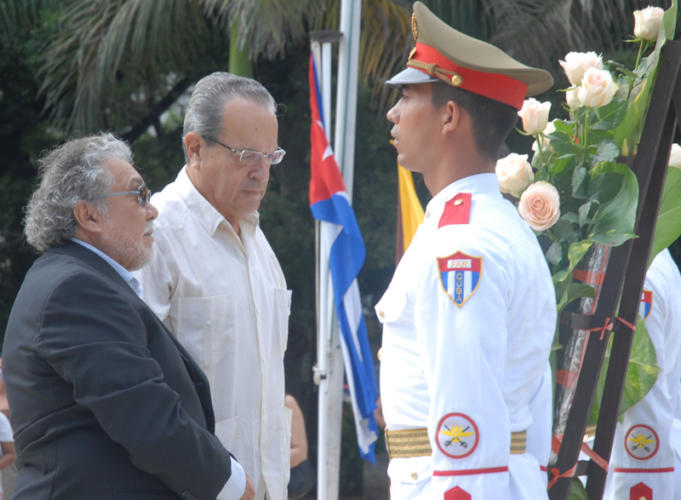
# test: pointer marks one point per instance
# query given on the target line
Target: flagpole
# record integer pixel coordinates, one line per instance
(329, 369)
(346, 91)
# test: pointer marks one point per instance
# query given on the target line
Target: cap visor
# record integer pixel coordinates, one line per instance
(410, 75)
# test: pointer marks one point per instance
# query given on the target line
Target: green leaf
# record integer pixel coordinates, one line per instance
(566, 220)
(576, 251)
(573, 292)
(613, 222)
(554, 254)
(669, 20)
(668, 225)
(577, 490)
(578, 178)
(607, 151)
(584, 212)
(560, 164)
(610, 116)
(642, 372)
(628, 132)
(604, 187)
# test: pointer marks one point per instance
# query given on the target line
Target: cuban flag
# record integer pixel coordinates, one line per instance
(330, 204)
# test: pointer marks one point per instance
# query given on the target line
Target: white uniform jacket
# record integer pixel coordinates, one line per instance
(468, 322)
(225, 299)
(642, 460)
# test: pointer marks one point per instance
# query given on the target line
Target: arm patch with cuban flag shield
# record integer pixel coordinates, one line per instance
(646, 304)
(460, 276)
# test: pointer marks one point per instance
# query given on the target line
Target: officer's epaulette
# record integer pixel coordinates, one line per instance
(457, 210)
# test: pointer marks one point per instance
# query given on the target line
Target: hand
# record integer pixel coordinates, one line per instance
(249, 494)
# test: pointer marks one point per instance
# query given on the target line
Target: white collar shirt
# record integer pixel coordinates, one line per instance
(225, 298)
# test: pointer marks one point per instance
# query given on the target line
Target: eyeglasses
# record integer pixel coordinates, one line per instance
(143, 195)
(251, 156)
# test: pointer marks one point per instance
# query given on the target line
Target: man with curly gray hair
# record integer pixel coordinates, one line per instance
(89, 369)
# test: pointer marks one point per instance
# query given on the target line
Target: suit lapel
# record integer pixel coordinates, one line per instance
(193, 370)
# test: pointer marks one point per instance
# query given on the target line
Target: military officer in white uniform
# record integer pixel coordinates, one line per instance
(642, 464)
(469, 316)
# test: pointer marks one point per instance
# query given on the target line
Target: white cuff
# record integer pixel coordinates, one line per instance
(235, 486)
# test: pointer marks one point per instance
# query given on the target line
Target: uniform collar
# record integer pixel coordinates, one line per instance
(478, 183)
(208, 216)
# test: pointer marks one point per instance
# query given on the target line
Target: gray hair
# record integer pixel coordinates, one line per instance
(206, 106)
(72, 172)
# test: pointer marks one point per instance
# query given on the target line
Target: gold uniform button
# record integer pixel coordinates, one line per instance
(378, 354)
(458, 201)
(457, 80)
(381, 313)
(414, 476)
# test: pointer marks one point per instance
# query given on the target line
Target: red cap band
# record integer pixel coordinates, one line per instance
(494, 86)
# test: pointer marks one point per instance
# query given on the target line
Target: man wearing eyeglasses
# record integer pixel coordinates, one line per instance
(105, 402)
(215, 281)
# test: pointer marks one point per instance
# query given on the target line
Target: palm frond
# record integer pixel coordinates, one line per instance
(385, 44)
(265, 27)
(109, 59)
(17, 17)
(385, 41)
(541, 32)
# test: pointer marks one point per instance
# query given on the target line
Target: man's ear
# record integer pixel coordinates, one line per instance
(88, 217)
(192, 144)
(451, 116)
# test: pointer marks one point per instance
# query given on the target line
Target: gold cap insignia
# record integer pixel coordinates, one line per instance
(414, 26)
(411, 54)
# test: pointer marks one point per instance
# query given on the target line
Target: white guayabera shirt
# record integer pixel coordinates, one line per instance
(468, 321)
(225, 298)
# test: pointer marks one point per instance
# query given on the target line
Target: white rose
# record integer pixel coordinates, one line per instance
(597, 88)
(540, 205)
(514, 174)
(647, 22)
(534, 115)
(571, 98)
(545, 142)
(576, 64)
(675, 156)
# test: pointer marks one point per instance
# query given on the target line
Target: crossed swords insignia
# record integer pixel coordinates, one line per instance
(456, 433)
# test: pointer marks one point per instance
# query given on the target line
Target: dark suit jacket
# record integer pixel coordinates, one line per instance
(105, 404)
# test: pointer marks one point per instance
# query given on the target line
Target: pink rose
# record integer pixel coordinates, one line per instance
(576, 64)
(597, 88)
(534, 115)
(540, 205)
(647, 23)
